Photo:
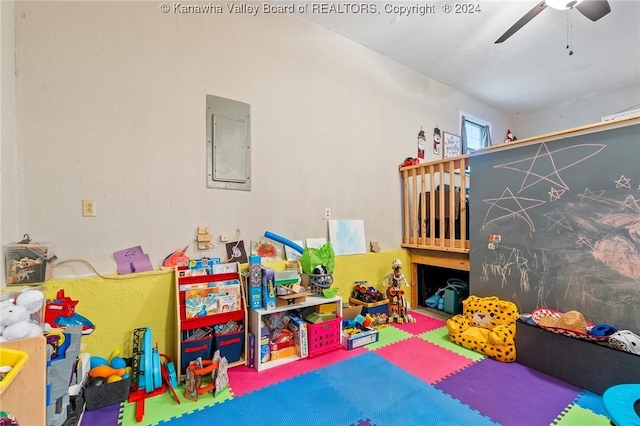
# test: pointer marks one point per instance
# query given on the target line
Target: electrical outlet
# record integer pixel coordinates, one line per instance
(223, 238)
(88, 208)
(327, 213)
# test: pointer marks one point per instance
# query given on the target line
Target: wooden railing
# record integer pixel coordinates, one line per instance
(435, 205)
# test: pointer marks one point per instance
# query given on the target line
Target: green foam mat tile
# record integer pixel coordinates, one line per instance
(578, 416)
(388, 336)
(440, 337)
(162, 407)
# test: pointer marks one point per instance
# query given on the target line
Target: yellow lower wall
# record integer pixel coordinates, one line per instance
(118, 306)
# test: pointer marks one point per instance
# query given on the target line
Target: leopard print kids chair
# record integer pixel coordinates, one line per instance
(487, 325)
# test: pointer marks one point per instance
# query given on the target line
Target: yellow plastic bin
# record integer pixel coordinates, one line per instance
(15, 360)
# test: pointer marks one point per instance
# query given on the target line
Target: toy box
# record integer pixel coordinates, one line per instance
(366, 336)
(268, 288)
(379, 311)
(28, 263)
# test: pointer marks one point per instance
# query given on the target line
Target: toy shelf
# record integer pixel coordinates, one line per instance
(25, 397)
(255, 319)
(205, 346)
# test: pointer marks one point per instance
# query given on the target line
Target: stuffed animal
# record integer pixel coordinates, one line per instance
(487, 325)
(20, 320)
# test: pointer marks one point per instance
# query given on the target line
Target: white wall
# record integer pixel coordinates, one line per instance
(577, 112)
(8, 164)
(111, 106)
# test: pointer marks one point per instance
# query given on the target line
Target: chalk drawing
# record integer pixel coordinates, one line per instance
(543, 166)
(554, 194)
(516, 207)
(584, 241)
(558, 218)
(619, 254)
(623, 182)
(590, 195)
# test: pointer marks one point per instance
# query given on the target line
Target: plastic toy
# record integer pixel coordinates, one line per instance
(366, 294)
(61, 312)
(398, 305)
(284, 241)
(410, 161)
(487, 325)
(510, 137)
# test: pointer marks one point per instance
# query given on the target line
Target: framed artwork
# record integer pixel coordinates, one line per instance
(452, 145)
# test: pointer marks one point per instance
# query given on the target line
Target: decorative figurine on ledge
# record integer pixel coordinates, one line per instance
(398, 305)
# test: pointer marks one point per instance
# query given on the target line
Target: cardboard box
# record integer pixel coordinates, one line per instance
(292, 299)
(283, 353)
(268, 288)
(327, 308)
(352, 341)
(300, 335)
(254, 284)
(379, 311)
(351, 311)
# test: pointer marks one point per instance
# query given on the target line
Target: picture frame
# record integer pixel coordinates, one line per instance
(451, 145)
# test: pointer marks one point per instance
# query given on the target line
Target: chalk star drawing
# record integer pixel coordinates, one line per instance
(623, 182)
(544, 167)
(570, 206)
(556, 217)
(554, 194)
(630, 203)
(513, 206)
(595, 196)
(584, 241)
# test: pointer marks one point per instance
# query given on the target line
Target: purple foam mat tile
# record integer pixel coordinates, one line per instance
(504, 391)
(105, 416)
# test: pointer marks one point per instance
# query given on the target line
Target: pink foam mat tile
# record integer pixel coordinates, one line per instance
(423, 324)
(244, 380)
(423, 359)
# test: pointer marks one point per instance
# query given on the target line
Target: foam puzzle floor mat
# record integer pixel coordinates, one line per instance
(412, 376)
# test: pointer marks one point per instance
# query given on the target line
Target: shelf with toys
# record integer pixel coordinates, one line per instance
(211, 313)
(257, 316)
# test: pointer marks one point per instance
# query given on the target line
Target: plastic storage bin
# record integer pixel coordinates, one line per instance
(14, 359)
(27, 263)
(324, 337)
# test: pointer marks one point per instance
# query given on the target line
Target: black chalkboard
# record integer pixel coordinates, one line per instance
(568, 216)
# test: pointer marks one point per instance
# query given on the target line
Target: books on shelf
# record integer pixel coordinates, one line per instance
(200, 302)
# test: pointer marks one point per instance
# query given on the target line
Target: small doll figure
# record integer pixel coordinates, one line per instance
(398, 305)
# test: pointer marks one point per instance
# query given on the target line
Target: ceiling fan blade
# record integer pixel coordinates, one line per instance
(594, 9)
(522, 21)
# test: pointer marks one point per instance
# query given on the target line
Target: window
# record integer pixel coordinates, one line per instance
(475, 133)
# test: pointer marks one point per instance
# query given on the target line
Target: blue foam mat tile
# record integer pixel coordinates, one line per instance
(387, 383)
(310, 400)
(429, 406)
(591, 401)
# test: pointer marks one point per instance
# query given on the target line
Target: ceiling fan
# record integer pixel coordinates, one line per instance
(592, 9)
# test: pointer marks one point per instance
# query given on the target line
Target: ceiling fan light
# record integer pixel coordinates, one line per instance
(562, 4)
